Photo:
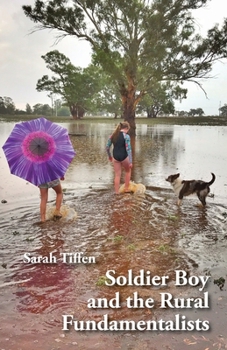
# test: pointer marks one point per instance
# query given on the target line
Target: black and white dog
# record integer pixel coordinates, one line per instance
(184, 188)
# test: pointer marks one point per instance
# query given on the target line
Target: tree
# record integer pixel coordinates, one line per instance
(223, 111)
(40, 109)
(7, 105)
(138, 43)
(64, 111)
(106, 99)
(183, 113)
(160, 100)
(199, 112)
(28, 109)
(75, 85)
(109, 101)
(2, 106)
(194, 112)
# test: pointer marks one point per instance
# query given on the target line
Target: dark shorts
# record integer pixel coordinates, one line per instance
(50, 184)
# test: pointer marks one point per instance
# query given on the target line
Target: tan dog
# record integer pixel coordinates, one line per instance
(133, 188)
(67, 213)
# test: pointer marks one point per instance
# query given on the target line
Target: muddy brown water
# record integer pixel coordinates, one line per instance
(121, 233)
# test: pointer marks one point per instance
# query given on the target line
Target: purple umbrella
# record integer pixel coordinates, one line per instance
(38, 151)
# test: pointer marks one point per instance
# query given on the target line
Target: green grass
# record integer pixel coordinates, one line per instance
(165, 248)
(173, 217)
(102, 281)
(209, 120)
(118, 238)
(131, 247)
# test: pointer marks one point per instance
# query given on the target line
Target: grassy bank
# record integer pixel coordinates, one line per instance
(222, 121)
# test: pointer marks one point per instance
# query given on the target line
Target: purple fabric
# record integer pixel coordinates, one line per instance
(38, 167)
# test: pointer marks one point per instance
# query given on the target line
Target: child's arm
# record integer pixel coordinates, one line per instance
(108, 145)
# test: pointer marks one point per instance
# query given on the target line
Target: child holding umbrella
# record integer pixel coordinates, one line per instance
(56, 185)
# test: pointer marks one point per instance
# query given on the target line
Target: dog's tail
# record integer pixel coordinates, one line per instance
(212, 180)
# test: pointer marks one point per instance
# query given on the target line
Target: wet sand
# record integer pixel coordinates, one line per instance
(122, 233)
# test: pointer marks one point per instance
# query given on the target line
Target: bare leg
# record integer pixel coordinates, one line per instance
(117, 177)
(127, 169)
(43, 203)
(59, 198)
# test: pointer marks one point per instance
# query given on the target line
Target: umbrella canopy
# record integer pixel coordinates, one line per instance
(38, 151)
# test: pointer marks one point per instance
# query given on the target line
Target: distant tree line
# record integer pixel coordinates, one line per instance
(199, 112)
(104, 102)
(7, 106)
(194, 112)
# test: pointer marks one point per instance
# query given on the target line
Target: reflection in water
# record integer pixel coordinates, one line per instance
(120, 232)
(48, 282)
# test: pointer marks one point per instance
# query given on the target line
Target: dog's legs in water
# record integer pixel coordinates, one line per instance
(202, 199)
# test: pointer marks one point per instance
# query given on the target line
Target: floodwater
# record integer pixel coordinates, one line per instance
(121, 233)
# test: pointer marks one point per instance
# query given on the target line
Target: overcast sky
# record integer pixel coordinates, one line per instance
(21, 64)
